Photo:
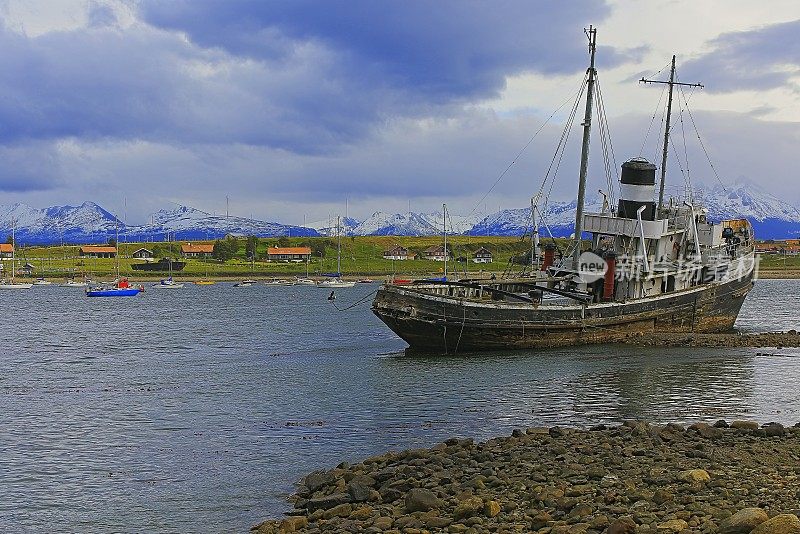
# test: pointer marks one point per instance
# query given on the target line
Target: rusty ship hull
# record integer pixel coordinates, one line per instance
(449, 323)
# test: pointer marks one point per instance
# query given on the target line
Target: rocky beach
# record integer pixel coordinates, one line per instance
(773, 340)
(738, 477)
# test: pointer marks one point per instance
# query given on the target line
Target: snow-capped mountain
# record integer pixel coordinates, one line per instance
(559, 217)
(327, 227)
(186, 223)
(381, 223)
(70, 224)
(771, 217)
(89, 223)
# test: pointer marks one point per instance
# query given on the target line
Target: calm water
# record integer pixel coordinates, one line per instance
(197, 409)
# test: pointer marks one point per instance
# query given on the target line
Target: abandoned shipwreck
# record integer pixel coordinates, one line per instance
(652, 266)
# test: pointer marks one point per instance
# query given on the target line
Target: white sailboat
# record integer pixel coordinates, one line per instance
(307, 281)
(168, 283)
(334, 280)
(5, 284)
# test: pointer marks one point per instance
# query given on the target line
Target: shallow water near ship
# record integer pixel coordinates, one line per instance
(198, 409)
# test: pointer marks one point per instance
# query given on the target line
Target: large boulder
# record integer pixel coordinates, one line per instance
(421, 500)
(326, 502)
(623, 525)
(694, 476)
(318, 480)
(743, 521)
(744, 425)
(707, 431)
(468, 508)
(671, 526)
(780, 524)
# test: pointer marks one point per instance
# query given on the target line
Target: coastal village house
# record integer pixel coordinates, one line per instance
(789, 247)
(482, 255)
(98, 251)
(288, 253)
(202, 250)
(6, 250)
(142, 254)
(435, 253)
(398, 253)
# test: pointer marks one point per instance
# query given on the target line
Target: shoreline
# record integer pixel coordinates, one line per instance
(632, 478)
(378, 276)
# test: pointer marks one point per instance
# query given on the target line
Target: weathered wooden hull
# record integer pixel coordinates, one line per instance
(448, 324)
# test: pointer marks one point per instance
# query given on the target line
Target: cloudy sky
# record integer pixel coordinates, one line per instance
(295, 108)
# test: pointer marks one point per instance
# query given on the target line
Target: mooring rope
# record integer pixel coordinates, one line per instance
(359, 301)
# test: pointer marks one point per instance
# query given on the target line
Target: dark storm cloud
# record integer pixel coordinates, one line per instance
(29, 167)
(763, 58)
(438, 51)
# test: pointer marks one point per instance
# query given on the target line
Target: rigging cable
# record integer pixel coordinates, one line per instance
(522, 150)
(703, 146)
(608, 147)
(652, 120)
(561, 146)
(685, 150)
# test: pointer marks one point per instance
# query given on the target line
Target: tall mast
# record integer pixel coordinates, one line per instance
(591, 33)
(672, 83)
(444, 232)
(338, 247)
(13, 249)
(666, 136)
(534, 236)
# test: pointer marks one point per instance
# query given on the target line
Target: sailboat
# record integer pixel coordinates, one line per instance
(168, 283)
(307, 281)
(334, 280)
(120, 287)
(71, 282)
(651, 267)
(5, 284)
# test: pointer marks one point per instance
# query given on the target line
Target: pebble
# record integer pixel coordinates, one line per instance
(634, 478)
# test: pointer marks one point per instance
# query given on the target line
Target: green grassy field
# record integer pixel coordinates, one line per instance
(361, 256)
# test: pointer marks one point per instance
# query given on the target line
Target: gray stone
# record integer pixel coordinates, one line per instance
(421, 500)
(743, 521)
(326, 502)
(358, 492)
(318, 479)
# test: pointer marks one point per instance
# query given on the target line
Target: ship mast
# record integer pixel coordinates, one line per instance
(672, 83)
(591, 33)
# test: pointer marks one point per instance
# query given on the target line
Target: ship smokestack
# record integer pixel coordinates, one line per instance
(637, 186)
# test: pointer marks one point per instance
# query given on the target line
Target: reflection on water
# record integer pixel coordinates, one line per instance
(197, 409)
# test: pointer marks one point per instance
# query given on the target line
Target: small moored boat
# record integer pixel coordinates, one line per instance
(120, 288)
(168, 283)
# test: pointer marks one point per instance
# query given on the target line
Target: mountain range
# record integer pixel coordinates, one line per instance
(771, 217)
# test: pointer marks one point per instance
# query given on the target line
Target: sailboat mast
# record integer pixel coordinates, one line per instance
(591, 33)
(534, 236)
(444, 232)
(338, 247)
(666, 137)
(13, 249)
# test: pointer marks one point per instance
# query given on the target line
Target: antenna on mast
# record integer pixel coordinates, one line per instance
(672, 83)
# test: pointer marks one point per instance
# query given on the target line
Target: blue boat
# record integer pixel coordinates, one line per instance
(112, 292)
(122, 288)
